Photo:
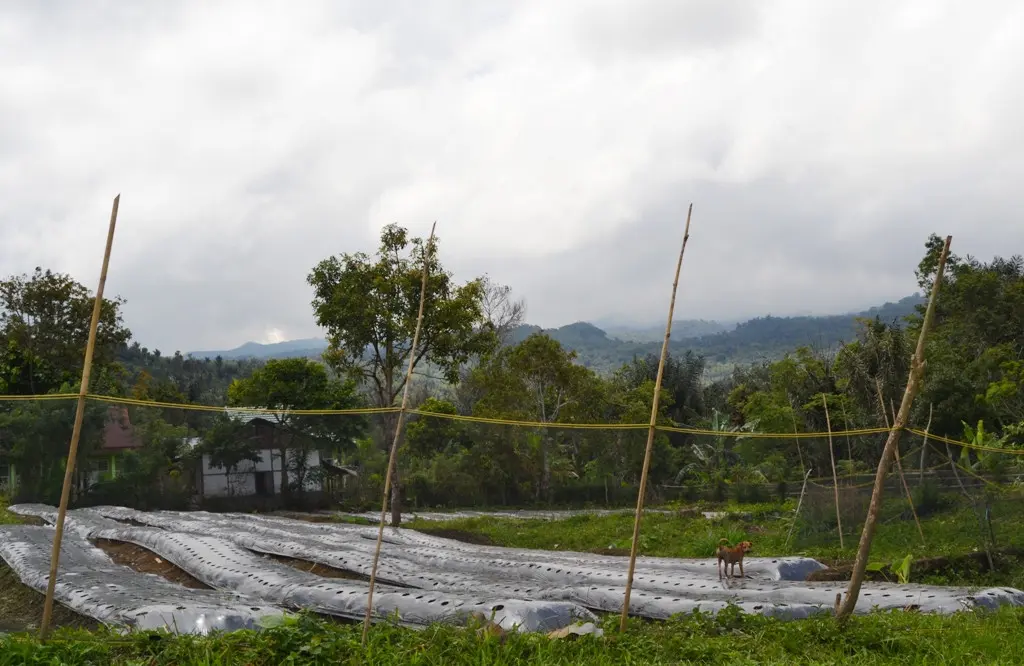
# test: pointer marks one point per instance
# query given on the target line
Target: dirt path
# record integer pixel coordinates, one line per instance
(146, 561)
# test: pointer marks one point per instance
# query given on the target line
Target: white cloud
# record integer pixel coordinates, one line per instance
(557, 145)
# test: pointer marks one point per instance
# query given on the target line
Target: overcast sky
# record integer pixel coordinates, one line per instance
(556, 142)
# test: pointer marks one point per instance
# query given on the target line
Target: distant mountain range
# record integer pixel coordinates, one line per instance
(605, 350)
(307, 347)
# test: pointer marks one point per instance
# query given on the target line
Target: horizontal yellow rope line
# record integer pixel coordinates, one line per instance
(45, 396)
(532, 424)
(774, 435)
(497, 421)
(968, 445)
(247, 410)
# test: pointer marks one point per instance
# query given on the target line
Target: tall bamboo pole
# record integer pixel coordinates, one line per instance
(796, 432)
(799, 503)
(427, 254)
(846, 427)
(651, 429)
(845, 609)
(899, 464)
(76, 432)
(835, 480)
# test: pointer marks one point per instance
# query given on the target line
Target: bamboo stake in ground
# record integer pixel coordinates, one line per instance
(427, 254)
(651, 429)
(76, 431)
(835, 480)
(846, 427)
(796, 432)
(845, 609)
(799, 502)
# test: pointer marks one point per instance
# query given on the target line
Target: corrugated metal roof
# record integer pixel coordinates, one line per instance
(243, 416)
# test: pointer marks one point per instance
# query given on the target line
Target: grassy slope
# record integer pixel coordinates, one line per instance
(953, 531)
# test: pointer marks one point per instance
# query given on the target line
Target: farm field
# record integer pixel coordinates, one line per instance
(285, 553)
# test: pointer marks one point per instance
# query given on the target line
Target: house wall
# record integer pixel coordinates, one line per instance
(100, 467)
(242, 481)
(8, 477)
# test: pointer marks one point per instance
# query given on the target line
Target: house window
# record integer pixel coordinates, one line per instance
(99, 469)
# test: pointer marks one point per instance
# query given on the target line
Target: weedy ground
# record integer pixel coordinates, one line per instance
(729, 638)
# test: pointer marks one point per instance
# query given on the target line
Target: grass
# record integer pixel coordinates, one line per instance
(951, 531)
(729, 638)
(6, 517)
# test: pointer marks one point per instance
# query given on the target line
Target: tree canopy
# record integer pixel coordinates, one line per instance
(44, 328)
(295, 384)
(476, 361)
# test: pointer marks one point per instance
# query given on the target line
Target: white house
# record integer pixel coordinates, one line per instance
(262, 478)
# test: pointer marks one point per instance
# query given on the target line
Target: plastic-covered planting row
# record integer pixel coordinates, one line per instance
(413, 545)
(435, 568)
(222, 564)
(92, 585)
(671, 587)
(662, 586)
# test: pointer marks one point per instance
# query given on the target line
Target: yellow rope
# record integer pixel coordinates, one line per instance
(497, 421)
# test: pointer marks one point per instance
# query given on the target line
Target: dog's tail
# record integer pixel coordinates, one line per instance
(723, 541)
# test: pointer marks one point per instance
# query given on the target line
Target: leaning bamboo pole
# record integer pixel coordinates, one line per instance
(427, 254)
(799, 503)
(651, 429)
(903, 479)
(835, 479)
(915, 376)
(76, 431)
(899, 464)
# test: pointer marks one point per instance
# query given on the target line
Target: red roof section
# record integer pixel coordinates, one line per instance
(118, 434)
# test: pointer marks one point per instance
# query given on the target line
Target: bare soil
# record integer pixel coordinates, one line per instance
(21, 607)
(840, 571)
(317, 568)
(146, 561)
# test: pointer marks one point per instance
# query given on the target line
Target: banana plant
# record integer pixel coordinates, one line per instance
(715, 458)
(985, 456)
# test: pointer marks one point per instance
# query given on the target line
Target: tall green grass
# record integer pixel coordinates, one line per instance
(729, 638)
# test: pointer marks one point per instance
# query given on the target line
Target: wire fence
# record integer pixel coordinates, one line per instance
(153, 455)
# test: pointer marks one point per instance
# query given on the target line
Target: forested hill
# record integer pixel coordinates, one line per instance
(763, 337)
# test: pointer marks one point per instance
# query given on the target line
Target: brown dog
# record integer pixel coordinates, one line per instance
(732, 555)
